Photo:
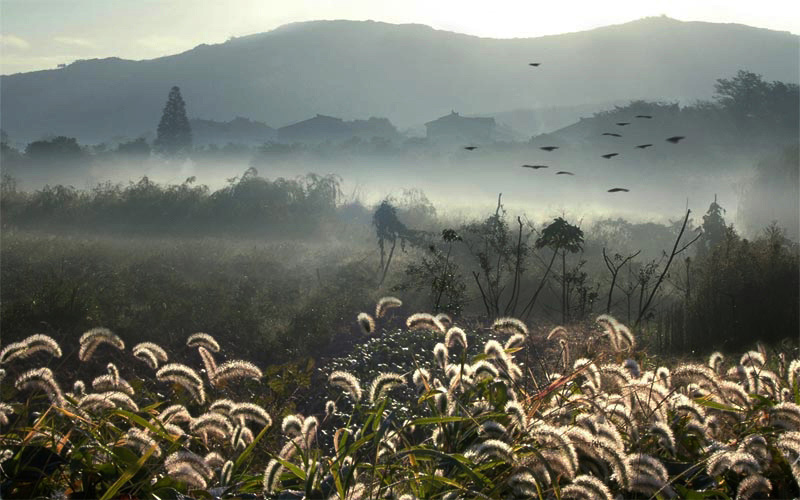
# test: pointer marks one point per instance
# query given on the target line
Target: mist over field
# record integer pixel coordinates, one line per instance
(263, 115)
(356, 259)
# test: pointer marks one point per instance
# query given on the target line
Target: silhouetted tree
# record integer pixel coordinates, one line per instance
(61, 149)
(561, 236)
(744, 94)
(390, 229)
(648, 272)
(493, 245)
(747, 96)
(174, 133)
(440, 275)
(614, 264)
(714, 226)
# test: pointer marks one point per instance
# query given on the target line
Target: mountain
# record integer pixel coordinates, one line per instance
(407, 73)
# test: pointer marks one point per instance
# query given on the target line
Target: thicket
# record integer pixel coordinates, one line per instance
(248, 204)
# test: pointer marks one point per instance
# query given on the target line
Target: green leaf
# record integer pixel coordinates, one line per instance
(461, 462)
(442, 479)
(134, 418)
(247, 451)
(438, 420)
(127, 475)
(688, 494)
(297, 471)
(717, 406)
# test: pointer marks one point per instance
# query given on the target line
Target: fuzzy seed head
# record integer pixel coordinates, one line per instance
(385, 304)
(424, 321)
(185, 377)
(292, 425)
(155, 349)
(347, 382)
(33, 344)
(382, 384)
(214, 460)
(455, 335)
(251, 412)
(272, 474)
(234, 369)
(752, 485)
(175, 414)
(493, 448)
(510, 326)
(420, 377)
(92, 339)
(440, 355)
(366, 323)
(43, 380)
(142, 442)
(330, 408)
(445, 320)
(587, 487)
(204, 340)
(753, 358)
(208, 362)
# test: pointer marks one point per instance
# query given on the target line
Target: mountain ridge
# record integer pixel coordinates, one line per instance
(409, 73)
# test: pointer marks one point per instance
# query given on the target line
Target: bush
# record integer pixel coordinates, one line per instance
(249, 205)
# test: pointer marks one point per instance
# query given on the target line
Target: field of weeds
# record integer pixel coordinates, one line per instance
(591, 415)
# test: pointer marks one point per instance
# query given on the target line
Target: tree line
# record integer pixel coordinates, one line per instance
(248, 204)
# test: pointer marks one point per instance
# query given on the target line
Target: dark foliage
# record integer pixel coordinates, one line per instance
(174, 133)
(248, 205)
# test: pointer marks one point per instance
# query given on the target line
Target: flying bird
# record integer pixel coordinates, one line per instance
(534, 64)
(675, 139)
(612, 134)
(622, 124)
(617, 190)
(642, 146)
(564, 172)
(549, 148)
(610, 155)
(535, 167)
(470, 148)
(643, 116)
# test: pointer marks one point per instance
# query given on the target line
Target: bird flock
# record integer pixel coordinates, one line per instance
(672, 140)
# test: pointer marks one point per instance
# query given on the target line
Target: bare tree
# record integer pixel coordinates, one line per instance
(614, 264)
(675, 252)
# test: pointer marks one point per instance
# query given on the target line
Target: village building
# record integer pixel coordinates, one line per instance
(457, 129)
(324, 128)
(316, 130)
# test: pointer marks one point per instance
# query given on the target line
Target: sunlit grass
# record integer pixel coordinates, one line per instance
(450, 422)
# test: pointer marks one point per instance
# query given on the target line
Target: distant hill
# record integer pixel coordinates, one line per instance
(407, 73)
(529, 122)
(238, 131)
(713, 136)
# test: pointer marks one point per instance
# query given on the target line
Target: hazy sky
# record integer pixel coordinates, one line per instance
(40, 34)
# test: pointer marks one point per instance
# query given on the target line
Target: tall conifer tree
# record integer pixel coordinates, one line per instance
(174, 133)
